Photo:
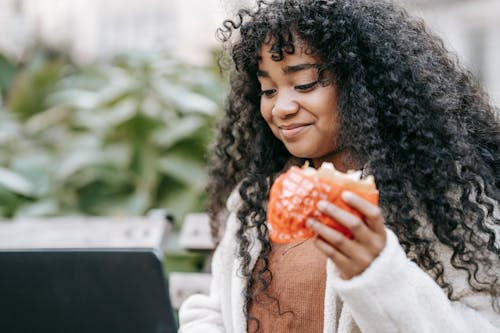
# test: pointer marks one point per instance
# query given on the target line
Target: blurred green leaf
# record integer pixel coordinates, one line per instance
(9, 201)
(190, 172)
(182, 200)
(47, 207)
(31, 86)
(7, 73)
(16, 183)
(36, 167)
(45, 119)
(184, 128)
(185, 100)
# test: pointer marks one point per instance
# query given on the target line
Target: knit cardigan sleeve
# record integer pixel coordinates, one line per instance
(202, 313)
(394, 295)
(213, 312)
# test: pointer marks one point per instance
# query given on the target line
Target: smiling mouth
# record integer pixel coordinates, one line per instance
(291, 132)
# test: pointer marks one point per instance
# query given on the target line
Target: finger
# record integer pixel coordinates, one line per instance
(338, 257)
(346, 246)
(352, 222)
(372, 213)
(344, 265)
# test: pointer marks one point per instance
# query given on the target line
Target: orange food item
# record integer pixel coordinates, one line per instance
(296, 193)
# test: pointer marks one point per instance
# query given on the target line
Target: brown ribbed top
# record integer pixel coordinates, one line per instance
(298, 284)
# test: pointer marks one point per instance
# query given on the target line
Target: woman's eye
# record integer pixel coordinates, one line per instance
(306, 87)
(268, 92)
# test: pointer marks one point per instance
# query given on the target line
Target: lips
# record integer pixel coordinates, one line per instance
(290, 131)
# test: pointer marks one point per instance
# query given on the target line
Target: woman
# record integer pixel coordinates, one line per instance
(361, 84)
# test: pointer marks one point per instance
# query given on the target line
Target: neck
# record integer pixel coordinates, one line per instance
(342, 160)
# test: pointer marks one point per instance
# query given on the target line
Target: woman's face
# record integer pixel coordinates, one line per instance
(301, 112)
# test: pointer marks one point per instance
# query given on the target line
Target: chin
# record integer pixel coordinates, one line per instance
(301, 153)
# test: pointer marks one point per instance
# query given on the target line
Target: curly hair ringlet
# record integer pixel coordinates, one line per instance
(421, 123)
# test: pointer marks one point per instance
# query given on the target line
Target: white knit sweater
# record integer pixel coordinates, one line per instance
(392, 295)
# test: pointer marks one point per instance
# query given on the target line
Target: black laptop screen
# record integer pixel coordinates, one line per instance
(84, 291)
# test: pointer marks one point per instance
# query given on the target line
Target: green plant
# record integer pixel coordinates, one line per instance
(111, 139)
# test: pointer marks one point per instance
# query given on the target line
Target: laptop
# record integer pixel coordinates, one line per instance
(85, 287)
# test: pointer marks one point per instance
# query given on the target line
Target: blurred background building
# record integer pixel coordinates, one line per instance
(471, 28)
(93, 29)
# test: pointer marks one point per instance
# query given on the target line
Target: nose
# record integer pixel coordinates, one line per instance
(285, 106)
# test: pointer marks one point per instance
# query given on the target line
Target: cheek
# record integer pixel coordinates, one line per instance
(265, 111)
(333, 131)
(328, 123)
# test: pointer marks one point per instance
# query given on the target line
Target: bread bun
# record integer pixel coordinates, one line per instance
(295, 194)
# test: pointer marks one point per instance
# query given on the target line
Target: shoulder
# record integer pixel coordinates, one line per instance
(233, 202)
(229, 222)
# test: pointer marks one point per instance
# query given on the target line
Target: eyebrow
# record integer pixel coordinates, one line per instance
(289, 69)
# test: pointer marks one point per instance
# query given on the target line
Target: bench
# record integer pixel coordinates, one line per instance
(194, 236)
(84, 232)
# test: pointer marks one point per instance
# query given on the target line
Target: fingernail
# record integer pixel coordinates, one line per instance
(322, 205)
(346, 195)
(310, 223)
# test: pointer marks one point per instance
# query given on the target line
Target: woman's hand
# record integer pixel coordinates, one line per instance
(351, 256)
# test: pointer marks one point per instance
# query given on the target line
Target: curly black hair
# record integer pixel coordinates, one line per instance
(420, 122)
